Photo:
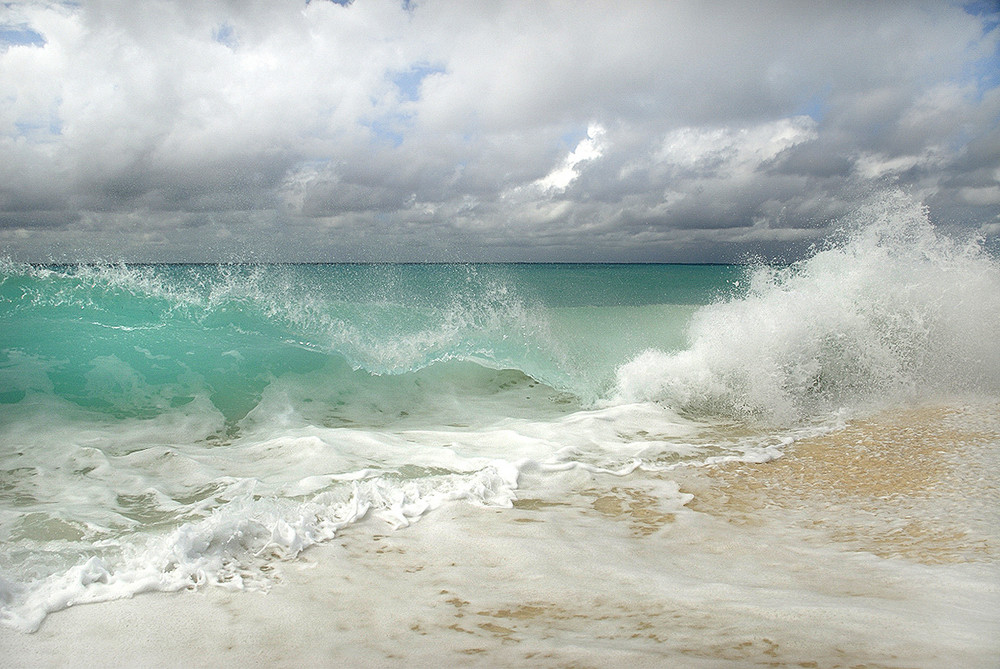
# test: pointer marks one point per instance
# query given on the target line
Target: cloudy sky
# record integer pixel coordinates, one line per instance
(444, 130)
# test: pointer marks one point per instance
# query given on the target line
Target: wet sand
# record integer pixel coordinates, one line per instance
(874, 546)
(916, 483)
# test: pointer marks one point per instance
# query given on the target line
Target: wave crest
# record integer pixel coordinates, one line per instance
(892, 310)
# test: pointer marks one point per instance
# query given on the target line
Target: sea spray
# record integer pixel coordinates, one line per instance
(893, 311)
(168, 427)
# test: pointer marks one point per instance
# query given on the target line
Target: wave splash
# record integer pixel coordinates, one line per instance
(210, 421)
(138, 340)
(893, 310)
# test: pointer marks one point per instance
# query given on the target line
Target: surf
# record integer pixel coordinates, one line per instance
(892, 310)
(172, 427)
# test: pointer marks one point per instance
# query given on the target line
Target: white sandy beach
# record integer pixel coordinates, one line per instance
(811, 560)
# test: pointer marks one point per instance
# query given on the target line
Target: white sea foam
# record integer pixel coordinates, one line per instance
(235, 546)
(895, 310)
(271, 412)
(157, 509)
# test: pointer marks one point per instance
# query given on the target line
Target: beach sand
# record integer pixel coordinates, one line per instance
(874, 546)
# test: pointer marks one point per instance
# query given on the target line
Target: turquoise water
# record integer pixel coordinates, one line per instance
(135, 340)
(168, 426)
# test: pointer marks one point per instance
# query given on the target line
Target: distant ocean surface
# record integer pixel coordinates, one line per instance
(167, 427)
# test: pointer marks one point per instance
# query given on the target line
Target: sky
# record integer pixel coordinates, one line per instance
(442, 130)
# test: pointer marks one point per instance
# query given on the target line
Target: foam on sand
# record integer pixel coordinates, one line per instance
(807, 560)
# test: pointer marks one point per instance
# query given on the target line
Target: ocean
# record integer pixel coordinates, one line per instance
(523, 464)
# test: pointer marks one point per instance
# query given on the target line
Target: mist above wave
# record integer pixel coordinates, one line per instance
(893, 309)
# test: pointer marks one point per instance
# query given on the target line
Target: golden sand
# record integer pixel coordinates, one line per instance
(900, 484)
(729, 585)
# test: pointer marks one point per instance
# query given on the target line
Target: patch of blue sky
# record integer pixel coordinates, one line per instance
(39, 130)
(388, 130)
(20, 36)
(408, 81)
(816, 106)
(987, 10)
(225, 34)
(571, 138)
(986, 71)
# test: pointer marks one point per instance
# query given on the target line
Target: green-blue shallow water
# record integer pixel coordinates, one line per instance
(165, 426)
(133, 340)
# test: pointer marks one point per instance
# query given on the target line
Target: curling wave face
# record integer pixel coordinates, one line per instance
(163, 427)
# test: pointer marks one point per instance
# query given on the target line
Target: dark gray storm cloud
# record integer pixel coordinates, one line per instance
(380, 130)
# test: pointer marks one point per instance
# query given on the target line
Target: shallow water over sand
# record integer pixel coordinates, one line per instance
(876, 559)
(507, 464)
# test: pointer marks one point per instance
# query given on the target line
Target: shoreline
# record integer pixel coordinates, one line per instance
(814, 559)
